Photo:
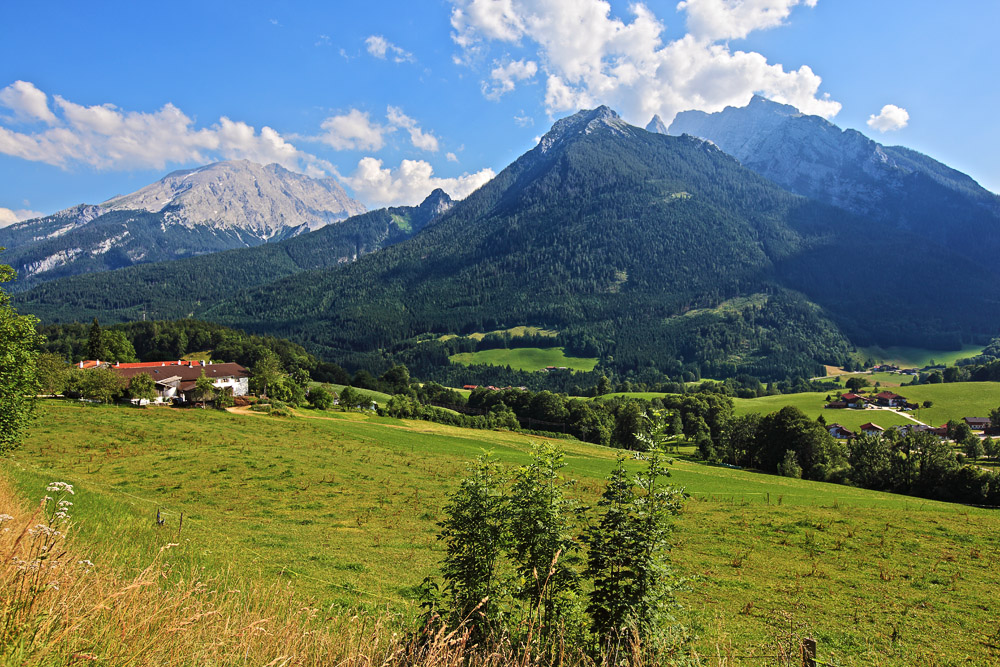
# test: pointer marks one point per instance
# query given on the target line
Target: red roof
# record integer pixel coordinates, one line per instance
(888, 395)
(186, 373)
(871, 427)
(851, 397)
(142, 364)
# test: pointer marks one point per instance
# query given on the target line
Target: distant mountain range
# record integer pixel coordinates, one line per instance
(894, 185)
(191, 212)
(651, 252)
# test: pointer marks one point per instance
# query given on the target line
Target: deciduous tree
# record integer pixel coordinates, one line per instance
(18, 368)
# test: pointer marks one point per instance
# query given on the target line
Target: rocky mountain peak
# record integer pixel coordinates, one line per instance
(436, 203)
(582, 123)
(267, 200)
(657, 125)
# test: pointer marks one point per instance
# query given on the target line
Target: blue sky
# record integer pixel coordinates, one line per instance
(395, 98)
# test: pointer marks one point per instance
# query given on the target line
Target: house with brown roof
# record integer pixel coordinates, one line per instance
(855, 401)
(177, 379)
(840, 432)
(977, 423)
(890, 400)
(872, 429)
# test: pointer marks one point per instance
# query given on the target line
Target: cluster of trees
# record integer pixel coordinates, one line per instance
(524, 562)
(614, 421)
(789, 443)
(170, 340)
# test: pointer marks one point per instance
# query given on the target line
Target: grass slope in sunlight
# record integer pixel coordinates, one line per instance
(343, 507)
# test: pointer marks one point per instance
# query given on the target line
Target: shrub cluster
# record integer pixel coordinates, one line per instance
(525, 563)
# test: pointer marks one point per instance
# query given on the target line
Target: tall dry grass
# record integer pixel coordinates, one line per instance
(57, 608)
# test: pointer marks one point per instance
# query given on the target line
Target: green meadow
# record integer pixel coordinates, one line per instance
(525, 358)
(949, 401)
(343, 507)
(915, 357)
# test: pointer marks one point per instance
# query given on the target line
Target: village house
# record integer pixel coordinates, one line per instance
(175, 380)
(855, 401)
(977, 423)
(872, 429)
(840, 432)
(890, 400)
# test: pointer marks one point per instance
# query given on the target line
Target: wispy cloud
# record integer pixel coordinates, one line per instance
(383, 49)
(418, 137)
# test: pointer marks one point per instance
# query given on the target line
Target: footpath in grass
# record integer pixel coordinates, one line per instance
(345, 509)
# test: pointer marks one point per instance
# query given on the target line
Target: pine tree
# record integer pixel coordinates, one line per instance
(95, 344)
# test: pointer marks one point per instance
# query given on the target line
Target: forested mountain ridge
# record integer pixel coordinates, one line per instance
(190, 212)
(647, 251)
(603, 231)
(182, 287)
(893, 185)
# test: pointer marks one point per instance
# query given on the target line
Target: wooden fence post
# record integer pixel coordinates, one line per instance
(808, 652)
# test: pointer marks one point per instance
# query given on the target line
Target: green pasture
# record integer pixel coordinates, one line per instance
(343, 507)
(525, 358)
(377, 396)
(884, 379)
(949, 401)
(812, 403)
(915, 357)
(515, 332)
(954, 400)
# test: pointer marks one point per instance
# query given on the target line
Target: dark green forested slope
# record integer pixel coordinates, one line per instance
(185, 287)
(605, 232)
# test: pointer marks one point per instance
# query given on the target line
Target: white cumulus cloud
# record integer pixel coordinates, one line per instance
(353, 130)
(890, 118)
(27, 102)
(504, 77)
(8, 217)
(588, 56)
(383, 49)
(105, 137)
(735, 19)
(409, 183)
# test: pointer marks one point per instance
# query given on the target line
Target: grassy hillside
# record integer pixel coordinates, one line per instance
(950, 401)
(344, 506)
(525, 358)
(919, 357)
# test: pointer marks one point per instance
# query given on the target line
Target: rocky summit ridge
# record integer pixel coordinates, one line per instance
(216, 207)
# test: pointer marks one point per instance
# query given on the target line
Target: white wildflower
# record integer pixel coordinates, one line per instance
(42, 529)
(60, 487)
(5, 517)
